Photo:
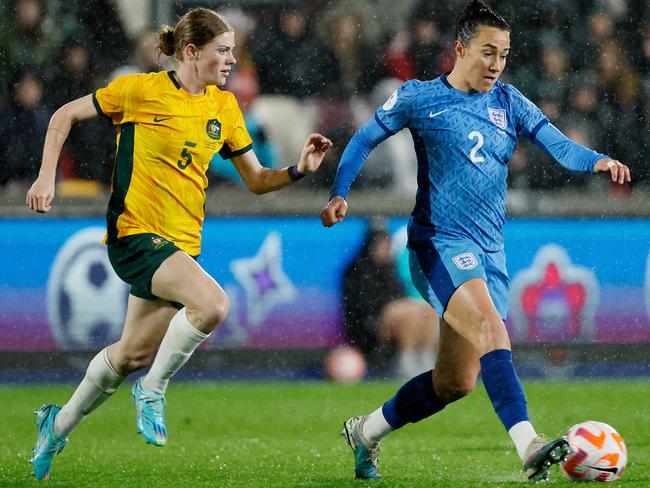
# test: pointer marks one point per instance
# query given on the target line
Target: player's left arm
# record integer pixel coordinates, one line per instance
(577, 157)
(260, 179)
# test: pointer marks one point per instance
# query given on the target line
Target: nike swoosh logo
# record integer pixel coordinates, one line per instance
(156, 119)
(432, 115)
(607, 470)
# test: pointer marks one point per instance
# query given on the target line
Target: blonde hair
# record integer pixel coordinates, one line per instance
(199, 27)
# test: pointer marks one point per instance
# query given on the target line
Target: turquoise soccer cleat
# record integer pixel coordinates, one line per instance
(365, 457)
(541, 455)
(149, 414)
(48, 445)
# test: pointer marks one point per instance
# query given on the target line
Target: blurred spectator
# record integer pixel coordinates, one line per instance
(145, 58)
(344, 33)
(431, 55)
(379, 315)
(22, 130)
(27, 40)
(72, 78)
(97, 24)
(290, 60)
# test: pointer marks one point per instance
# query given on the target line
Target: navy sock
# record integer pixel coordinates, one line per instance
(414, 401)
(503, 387)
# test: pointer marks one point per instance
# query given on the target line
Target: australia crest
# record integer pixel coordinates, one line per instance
(213, 128)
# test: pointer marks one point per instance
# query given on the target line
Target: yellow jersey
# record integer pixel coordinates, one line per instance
(166, 138)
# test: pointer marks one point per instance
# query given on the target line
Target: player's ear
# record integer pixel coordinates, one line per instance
(190, 52)
(459, 49)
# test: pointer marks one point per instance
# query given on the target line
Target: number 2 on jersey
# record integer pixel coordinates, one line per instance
(474, 158)
(185, 154)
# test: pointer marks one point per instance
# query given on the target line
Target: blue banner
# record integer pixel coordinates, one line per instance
(571, 280)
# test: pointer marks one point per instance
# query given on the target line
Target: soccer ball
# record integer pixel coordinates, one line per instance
(345, 365)
(598, 453)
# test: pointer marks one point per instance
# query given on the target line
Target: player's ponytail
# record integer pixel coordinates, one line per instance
(166, 43)
(475, 14)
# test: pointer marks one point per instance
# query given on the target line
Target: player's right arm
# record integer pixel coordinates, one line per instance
(40, 195)
(389, 119)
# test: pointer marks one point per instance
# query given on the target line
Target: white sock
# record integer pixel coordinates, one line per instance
(100, 382)
(375, 428)
(180, 341)
(408, 363)
(427, 359)
(522, 434)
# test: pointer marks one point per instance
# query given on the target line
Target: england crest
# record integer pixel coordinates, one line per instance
(498, 117)
(465, 261)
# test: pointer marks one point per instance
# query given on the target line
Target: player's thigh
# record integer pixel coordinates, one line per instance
(180, 279)
(472, 314)
(457, 363)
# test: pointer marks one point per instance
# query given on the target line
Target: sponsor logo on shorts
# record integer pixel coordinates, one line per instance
(465, 261)
(158, 242)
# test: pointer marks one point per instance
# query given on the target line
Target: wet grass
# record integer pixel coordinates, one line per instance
(287, 434)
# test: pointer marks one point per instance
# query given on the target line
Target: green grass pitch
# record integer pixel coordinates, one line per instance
(287, 434)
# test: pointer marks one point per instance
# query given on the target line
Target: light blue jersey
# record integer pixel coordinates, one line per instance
(463, 142)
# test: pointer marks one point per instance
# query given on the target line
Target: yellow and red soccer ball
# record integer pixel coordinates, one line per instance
(598, 453)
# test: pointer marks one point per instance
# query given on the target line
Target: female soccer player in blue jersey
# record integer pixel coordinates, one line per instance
(465, 126)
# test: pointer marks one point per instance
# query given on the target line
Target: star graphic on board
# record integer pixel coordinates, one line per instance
(263, 279)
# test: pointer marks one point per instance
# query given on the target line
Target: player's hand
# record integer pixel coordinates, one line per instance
(334, 212)
(620, 172)
(312, 153)
(41, 194)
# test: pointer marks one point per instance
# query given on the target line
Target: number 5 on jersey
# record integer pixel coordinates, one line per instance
(185, 154)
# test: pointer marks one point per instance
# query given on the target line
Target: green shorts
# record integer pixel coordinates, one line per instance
(136, 258)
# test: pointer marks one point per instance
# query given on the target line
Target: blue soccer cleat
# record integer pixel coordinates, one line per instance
(365, 457)
(48, 444)
(541, 455)
(149, 414)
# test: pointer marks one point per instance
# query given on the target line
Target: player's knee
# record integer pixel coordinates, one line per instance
(214, 312)
(455, 387)
(491, 335)
(128, 361)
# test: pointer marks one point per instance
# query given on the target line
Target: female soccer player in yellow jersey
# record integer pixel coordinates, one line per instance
(169, 124)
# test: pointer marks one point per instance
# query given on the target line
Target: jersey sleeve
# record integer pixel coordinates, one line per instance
(395, 113)
(528, 118)
(118, 101)
(238, 140)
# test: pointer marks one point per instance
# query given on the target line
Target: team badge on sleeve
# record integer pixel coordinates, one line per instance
(213, 128)
(498, 117)
(465, 261)
(390, 103)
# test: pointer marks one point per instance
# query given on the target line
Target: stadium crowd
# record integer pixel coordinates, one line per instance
(325, 65)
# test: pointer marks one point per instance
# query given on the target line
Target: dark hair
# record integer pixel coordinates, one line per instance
(475, 14)
(199, 27)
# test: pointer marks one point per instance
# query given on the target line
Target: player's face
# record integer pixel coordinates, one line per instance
(483, 60)
(216, 58)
